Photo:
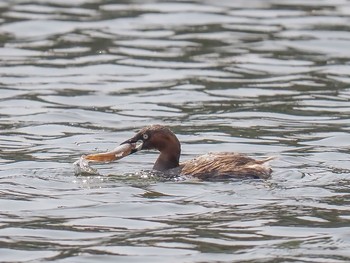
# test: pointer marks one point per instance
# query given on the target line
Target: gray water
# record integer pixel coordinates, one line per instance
(258, 77)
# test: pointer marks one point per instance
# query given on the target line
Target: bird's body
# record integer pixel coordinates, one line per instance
(208, 166)
(225, 164)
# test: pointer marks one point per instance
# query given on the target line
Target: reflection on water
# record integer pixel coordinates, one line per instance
(258, 77)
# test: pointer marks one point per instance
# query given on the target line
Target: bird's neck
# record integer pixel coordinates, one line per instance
(168, 158)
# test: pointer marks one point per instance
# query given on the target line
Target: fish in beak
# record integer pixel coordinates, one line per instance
(135, 144)
(121, 151)
(118, 153)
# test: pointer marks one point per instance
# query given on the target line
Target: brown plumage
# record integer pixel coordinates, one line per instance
(208, 166)
(211, 165)
(225, 164)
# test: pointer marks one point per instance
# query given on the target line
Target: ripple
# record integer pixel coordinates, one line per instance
(259, 77)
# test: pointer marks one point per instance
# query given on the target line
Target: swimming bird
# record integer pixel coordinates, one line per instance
(208, 166)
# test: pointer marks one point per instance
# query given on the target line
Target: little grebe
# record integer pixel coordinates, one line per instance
(208, 166)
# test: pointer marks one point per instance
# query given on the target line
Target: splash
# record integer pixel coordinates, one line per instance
(82, 167)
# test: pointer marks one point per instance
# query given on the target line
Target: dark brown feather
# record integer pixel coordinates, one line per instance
(225, 164)
(211, 165)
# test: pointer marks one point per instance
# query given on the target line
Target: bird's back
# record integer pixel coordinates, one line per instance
(225, 164)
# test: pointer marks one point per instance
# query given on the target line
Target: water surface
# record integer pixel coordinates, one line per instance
(258, 77)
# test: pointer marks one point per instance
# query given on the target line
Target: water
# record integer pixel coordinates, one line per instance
(258, 77)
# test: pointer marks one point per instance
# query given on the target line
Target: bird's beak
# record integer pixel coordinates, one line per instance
(124, 149)
(137, 145)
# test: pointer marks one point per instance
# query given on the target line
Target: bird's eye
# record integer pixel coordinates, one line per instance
(145, 136)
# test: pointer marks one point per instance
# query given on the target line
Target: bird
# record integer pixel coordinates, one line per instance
(209, 166)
